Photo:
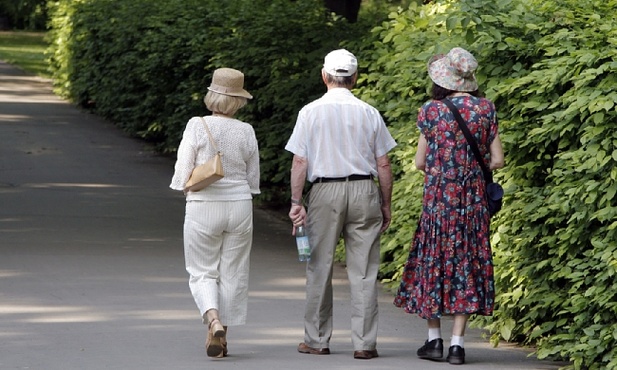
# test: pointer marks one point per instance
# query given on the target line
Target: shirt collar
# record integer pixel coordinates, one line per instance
(339, 90)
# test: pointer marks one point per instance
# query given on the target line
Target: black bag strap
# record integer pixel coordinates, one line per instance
(488, 176)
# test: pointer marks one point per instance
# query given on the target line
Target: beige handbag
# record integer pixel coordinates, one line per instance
(207, 173)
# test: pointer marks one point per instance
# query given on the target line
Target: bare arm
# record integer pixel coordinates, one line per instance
(497, 158)
(384, 173)
(297, 213)
(421, 153)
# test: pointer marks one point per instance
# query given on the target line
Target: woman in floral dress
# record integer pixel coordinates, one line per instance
(449, 270)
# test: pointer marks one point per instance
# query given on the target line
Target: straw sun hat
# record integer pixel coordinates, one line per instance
(454, 71)
(228, 81)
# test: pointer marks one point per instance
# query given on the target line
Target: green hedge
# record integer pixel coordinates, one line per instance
(550, 68)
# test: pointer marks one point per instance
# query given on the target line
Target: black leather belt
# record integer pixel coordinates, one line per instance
(342, 179)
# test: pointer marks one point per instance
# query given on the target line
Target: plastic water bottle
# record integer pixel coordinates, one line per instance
(302, 241)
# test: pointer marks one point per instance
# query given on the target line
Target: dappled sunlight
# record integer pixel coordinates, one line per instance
(278, 336)
(11, 273)
(73, 185)
(147, 240)
(25, 89)
(158, 315)
(36, 309)
(6, 223)
(84, 314)
(51, 314)
(7, 334)
(8, 189)
(160, 279)
(4, 118)
(291, 332)
(10, 219)
(287, 282)
(182, 295)
(285, 335)
(72, 318)
(278, 294)
(300, 282)
(11, 97)
(21, 230)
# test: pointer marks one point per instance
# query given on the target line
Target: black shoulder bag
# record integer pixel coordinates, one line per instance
(494, 191)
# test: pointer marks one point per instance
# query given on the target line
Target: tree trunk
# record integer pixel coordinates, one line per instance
(345, 8)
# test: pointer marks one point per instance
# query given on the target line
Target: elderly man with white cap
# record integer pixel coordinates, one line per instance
(340, 145)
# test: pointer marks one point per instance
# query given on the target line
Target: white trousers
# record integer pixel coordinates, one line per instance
(217, 244)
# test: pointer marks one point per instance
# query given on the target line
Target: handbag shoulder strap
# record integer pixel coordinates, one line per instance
(210, 135)
(488, 177)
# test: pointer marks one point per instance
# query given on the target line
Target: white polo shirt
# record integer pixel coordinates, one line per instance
(340, 135)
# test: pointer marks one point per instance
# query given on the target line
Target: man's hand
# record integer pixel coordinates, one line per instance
(297, 215)
(384, 173)
(387, 217)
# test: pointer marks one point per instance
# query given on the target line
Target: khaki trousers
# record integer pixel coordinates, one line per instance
(351, 209)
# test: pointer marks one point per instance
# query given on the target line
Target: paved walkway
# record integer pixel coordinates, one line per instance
(92, 272)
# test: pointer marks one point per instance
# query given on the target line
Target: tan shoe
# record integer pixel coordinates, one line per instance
(224, 345)
(216, 335)
(224, 342)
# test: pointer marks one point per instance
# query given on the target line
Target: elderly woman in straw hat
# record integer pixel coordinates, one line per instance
(218, 224)
(449, 271)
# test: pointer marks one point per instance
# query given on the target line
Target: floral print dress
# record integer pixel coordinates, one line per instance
(450, 269)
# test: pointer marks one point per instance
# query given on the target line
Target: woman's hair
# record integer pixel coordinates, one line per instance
(341, 81)
(224, 104)
(438, 92)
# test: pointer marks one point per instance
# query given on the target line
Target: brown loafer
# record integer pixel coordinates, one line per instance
(304, 348)
(365, 354)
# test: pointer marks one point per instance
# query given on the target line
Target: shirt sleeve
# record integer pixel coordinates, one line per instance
(297, 140)
(421, 122)
(252, 166)
(384, 141)
(186, 157)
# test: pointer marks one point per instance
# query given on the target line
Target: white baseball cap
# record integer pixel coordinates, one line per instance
(340, 63)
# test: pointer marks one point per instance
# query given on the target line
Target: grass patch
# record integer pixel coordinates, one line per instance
(25, 50)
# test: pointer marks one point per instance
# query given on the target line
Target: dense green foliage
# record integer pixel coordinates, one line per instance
(550, 68)
(146, 64)
(549, 65)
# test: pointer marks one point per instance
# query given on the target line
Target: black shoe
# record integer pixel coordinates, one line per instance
(456, 355)
(431, 350)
